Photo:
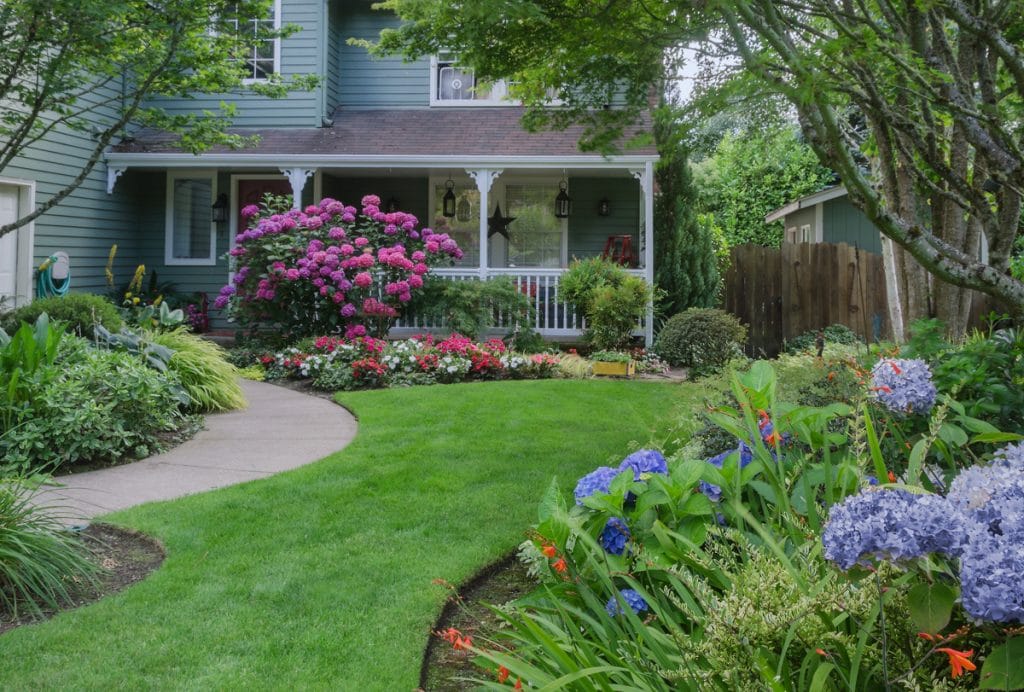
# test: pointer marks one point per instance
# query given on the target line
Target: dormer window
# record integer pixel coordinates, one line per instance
(264, 57)
(454, 85)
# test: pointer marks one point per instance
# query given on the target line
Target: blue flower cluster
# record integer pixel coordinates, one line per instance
(981, 521)
(644, 461)
(614, 536)
(632, 599)
(903, 385)
(597, 481)
(890, 524)
(714, 492)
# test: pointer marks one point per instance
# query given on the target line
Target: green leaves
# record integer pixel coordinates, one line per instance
(931, 606)
(1002, 669)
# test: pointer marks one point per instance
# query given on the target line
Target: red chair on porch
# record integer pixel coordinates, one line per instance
(619, 249)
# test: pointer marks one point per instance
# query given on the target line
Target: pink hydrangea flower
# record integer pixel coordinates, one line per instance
(363, 279)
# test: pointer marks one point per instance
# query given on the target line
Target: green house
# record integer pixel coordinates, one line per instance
(406, 132)
(827, 216)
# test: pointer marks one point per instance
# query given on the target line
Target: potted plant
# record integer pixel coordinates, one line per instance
(613, 363)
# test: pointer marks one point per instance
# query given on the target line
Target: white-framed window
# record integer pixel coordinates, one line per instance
(263, 58)
(191, 234)
(453, 85)
(464, 227)
(805, 234)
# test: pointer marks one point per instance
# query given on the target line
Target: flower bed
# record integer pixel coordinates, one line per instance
(335, 363)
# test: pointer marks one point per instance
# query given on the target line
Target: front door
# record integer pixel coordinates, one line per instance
(252, 192)
(8, 247)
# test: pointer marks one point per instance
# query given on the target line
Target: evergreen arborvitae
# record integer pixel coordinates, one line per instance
(685, 264)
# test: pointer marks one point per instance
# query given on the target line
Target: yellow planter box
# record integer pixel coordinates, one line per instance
(614, 369)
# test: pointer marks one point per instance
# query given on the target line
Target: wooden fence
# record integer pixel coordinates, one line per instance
(781, 293)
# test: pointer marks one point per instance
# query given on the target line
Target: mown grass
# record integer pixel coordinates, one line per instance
(321, 577)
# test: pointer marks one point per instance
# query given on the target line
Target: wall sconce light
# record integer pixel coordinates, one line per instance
(448, 201)
(391, 206)
(604, 207)
(563, 202)
(220, 208)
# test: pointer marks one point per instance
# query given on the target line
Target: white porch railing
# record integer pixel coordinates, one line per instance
(552, 316)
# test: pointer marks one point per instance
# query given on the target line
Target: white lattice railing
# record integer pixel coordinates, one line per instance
(552, 315)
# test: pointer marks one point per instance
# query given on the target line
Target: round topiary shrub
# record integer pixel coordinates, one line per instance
(700, 338)
(80, 311)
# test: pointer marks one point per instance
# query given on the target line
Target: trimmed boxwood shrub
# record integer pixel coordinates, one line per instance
(702, 339)
(79, 311)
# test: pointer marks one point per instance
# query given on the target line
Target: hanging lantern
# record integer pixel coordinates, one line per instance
(448, 201)
(391, 206)
(463, 211)
(563, 203)
(220, 208)
(604, 207)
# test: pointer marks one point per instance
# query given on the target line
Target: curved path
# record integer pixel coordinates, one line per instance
(280, 430)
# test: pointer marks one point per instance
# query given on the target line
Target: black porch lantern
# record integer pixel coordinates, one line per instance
(604, 207)
(563, 202)
(391, 206)
(448, 201)
(220, 208)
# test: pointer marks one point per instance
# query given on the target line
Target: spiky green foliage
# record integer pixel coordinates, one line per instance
(39, 559)
(210, 380)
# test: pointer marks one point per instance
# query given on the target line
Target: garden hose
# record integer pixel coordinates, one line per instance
(45, 284)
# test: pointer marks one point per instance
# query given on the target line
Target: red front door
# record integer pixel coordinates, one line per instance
(252, 191)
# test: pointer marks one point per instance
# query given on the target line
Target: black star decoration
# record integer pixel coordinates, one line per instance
(498, 223)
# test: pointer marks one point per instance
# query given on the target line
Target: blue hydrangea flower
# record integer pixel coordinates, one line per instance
(903, 385)
(597, 481)
(614, 536)
(890, 524)
(991, 587)
(644, 461)
(632, 599)
(714, 492)
(985, 494)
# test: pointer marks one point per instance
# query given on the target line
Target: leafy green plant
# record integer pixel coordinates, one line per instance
(615, 312)
(79, 311)
(701, 339)
(26, 365)
(41, 563)
(471, 307)
(586, 275)
(155, 355)
(611, 357)
(202, 369)
(832, 334)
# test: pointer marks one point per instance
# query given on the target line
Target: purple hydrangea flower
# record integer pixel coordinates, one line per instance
(634, 600)
(614, 536)
(597, 481)
(891, 524)
(714, 492)
(903, 386)
(991, 587)
(985, 494)
(644, 461)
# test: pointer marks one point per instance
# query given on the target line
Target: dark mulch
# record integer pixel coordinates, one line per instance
(124, 557)
(467, 611)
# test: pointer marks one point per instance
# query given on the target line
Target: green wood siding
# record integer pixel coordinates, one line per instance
(300, 55)
(801, 217)
(588, 231)
(335, 42)
(89, 221)
(366, 82)
(844, 223)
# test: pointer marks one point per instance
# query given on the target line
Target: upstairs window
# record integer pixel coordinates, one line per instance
(264, 57)
(453, 85)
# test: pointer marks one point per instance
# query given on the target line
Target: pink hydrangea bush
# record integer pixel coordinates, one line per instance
(330, 269)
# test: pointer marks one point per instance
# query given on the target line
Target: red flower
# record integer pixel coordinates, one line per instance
(560, 565)
(892, 477)
(502, 673)
(959, 661)
(450, 635)
(549, 551)
(463, 643)
(519, 684)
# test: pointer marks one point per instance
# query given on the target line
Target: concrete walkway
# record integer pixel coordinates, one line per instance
(280, 430)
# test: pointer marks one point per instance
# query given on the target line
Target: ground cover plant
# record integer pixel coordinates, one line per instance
(321, 577)
(881, 553)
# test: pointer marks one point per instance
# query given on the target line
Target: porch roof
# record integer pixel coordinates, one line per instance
(443, 133)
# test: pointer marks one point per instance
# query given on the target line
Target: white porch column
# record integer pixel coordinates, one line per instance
(484, 178)
(646, 177)
(297, 179)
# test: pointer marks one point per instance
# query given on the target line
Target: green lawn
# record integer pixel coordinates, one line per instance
(321, 577)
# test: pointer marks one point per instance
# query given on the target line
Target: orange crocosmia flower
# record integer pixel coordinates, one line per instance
(463, 643)
(450, 635)
(895, 368)
(892, 477)
(519, 684)
(820, 652)
(549, 551)
(560, 565)
(959, 661)
(502, 673)
(925, 635)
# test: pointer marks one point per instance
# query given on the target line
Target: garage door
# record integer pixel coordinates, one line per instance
(8, 246)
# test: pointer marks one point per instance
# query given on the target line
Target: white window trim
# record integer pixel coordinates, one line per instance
(25, 246)
(277, 47)
(169, 258)
(497, 196)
